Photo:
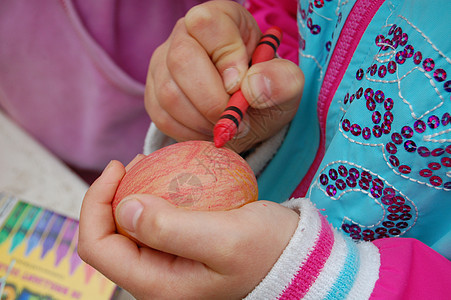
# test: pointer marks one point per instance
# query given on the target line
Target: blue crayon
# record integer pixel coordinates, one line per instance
(25, 227)
(38, 231)
(53, 234)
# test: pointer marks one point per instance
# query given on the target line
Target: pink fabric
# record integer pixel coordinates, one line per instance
(72, 74)
(281, 13)
(310, 270)
(411, 270)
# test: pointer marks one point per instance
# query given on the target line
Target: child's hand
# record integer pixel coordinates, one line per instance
(192, 254)
(192, 75)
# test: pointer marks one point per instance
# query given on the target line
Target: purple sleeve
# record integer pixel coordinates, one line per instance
(281, 13)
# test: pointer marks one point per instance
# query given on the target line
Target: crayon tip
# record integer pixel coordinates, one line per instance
(222, 135)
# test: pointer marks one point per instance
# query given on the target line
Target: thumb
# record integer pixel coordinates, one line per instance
(277, 82)
(229, 34)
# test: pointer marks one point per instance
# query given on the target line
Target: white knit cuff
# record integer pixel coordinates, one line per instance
(319, 262)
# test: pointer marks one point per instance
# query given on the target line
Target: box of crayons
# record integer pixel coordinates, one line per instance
(38, 256)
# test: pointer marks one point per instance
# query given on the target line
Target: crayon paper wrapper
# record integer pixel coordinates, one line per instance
(38, 256)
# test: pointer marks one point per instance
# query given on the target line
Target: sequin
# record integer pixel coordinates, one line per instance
(425, 173)
(407, 132)
(359, 74)
(394, 231)
(419, 126)
(386, 127)
(446, 118)
(391, 67)
(369, 93)
(404, 39)
(376, 117)
(394, 161)
(434, 166)
(405, 169)
(382, 71)
(394, 209)
(440, 75)
(331, 190)
(375, 192)
(388, 117)
(423, 151)
(377, 131)
(378, 184)
(392, 29)
(333, 174)
(387, 200)
(323, 179)
(400, 58)
(428, 64)
(402, 225)
(448, 149)
(391, 148)
(346, 98)
(366, 176)
(398, 200)
(446, 161)
(447, 86)
(417, 58)
(410, 146)
(370, 104)
(438, 152)
(408, 51)
(340, 184)
(393, 216)
(388, 103)
(396, 138)
(356, 129)
(366, 133)
(389, 192)
(388, 224)
(436, 181)
(316, 29)
(433, 122)
(364, 184)
(379, 96)
(351, 181)
(398, 33)
(381, 230)
(319, 3)
(342, 171)
(359, 93)
(447, 185)
(351, 99)
(354, 173)
(346, 125)
(328, 46)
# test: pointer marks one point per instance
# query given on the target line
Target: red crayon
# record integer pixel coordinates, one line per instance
(227, 126)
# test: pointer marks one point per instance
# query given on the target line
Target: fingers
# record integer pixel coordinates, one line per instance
(229, 34)
(272, 83)
(96, 217)
(214, 238)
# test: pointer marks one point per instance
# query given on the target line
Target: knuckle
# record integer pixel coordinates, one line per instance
(199, 17)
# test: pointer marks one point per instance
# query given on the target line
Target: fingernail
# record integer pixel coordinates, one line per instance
(260, 87)
(230, 78)
(128, 213)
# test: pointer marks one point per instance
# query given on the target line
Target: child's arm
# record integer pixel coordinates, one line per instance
(248, 251)
(192, 75)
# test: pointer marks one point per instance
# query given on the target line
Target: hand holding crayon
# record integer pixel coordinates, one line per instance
(229, 121)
